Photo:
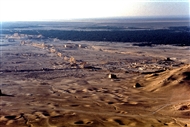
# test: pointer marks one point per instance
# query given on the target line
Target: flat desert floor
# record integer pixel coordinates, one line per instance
(96, 84)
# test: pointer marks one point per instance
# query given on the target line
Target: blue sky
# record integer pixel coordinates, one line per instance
(29, 10)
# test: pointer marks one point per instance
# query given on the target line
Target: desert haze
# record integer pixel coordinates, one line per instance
(95, 74)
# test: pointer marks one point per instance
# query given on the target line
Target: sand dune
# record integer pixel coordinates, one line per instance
(169, 80)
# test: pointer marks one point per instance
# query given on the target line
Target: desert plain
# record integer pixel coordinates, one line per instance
(100, 73)
(93, 84)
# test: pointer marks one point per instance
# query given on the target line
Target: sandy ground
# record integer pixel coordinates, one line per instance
(41, 89)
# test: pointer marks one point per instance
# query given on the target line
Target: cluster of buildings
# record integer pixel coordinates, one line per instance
(17, 36)
(52, 49)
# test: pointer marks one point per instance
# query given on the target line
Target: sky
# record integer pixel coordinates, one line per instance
(39, 10)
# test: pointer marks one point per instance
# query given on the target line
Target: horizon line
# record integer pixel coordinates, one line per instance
(104, 18)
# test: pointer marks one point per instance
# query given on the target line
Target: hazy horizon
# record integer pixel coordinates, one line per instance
(28, 10)
(126, 18)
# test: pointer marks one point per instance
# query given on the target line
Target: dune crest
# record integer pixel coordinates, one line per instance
(177, 78)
